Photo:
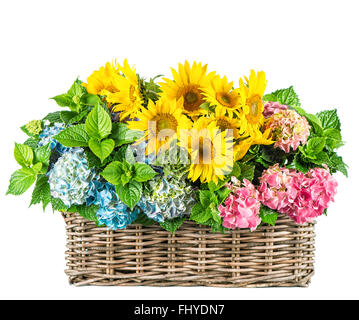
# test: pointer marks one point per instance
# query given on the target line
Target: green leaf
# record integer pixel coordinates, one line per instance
(173, 224)
(247, 171)
(98, 123)
(42, 154)
(130, 194)
(113, 172)
(23, 155)
(32, 142)
(338, 164)
(74, 136)
(37, 167)
(284, 96)
(41, 191)
(329, 119)
(315, 145)
(54, 117)
(66, 116)
(21, 180)
(223, 194)
(129, 157)
(123, 135)
(205, 106)
(144, 220)
(205, 197)
(268, 215)
(215, 215)
(87, 212)
(63, 100)
(299, 164)
(101, 149)
(334, 138)
(69, 117)
(24, 129)
(90, 99)
(200, 214)
(216, 226)
(143, 172)
(313, 120)
(58, 205)
(77, 89)
(322, 158)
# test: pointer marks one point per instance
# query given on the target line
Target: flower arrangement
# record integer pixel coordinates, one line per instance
(195, 146)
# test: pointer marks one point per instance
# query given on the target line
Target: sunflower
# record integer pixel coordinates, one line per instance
(251, 95)
(221, 94)
(224, 122)
(128, 100)
(242, 146)
(210, 151)
(119, 85)
(103, 81)
(161, 123)
(188, 84)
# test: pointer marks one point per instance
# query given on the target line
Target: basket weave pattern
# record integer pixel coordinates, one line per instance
(281, 255)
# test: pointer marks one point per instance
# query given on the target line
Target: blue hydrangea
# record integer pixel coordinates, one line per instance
(47, 134)
(165, 198)
(70, 177)
(112, 211)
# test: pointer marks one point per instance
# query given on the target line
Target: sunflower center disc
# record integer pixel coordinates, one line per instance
(191, 97)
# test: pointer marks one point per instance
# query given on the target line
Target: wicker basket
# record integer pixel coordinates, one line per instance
(280, 256)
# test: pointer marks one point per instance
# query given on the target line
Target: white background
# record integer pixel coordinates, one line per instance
(45, 45)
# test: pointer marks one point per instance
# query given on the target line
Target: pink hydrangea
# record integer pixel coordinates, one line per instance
(241, 208)
(288, 129)
(302, 196)
(271, 108)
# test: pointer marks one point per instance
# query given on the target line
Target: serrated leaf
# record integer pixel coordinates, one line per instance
(200, 214)
(90, 99)
(42, 154)
(63, 100)
(123, 135)
(101, 149)
(247, 171)
(313, 120)
(32, 142)
(74, 136)
(173, 224)
(299, 164)
(284, 96)
(315, 145)
(87, 212)
(98, 123)
(130, 194)
(205, 197)
(53, 117)
(329, 119)
(334, 138)
(21, 180)
(143, 172)
(113, 172)
(37, 167)
(58, 205)
(338, 164)
(268, 215)
(222, 194)
(24, 129)
(77, 89)
(144, 220)
(23, 155)
(41, 192)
